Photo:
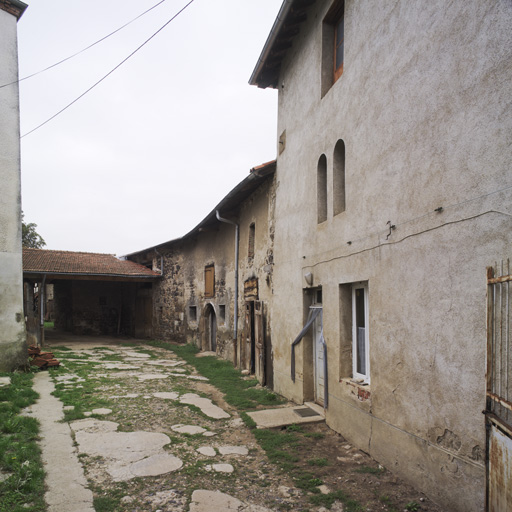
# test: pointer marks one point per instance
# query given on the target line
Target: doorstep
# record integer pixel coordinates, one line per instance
(283, 416)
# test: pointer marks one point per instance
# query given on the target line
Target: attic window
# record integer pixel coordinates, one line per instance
(338, 47)
(333, 39)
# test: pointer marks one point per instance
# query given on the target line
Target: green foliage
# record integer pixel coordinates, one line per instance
(106, 504)
(412, 506)
(20, 456)
(29, 236)
(319, 461)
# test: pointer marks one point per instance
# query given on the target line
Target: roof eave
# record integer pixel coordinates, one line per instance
(15, 7)
(285, 29)
(271, 39)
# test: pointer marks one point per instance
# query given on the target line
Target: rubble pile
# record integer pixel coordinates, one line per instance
(43, 360)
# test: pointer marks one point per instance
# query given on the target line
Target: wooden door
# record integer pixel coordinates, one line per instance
(259, 343)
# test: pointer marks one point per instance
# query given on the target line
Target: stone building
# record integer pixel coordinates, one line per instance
(92, 294)
(12, 326)
(394, 196)
(219, 272)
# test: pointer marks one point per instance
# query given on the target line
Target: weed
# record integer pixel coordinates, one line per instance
(314, 435)
(294, 428)
(250, 423)
(20, 456)
(327, 501)
(106, 504)
(412, 506)
(307, 482)
(319, 461)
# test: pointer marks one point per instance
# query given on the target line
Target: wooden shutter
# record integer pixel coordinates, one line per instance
(209, 281)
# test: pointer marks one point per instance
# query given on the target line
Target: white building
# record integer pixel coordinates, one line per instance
(394, 195)
(12, 324)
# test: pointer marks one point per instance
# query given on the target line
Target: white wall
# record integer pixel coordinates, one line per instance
(12, 326)
(423, 106)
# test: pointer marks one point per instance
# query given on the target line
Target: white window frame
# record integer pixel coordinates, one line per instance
(365, 377)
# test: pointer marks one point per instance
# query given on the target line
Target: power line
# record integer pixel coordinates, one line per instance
(110, 72)
(84, 50)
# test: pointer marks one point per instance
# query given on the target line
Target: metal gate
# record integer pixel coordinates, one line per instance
(499, 390)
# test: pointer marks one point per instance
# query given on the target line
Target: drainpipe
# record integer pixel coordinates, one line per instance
(235, 330)
(41, 309)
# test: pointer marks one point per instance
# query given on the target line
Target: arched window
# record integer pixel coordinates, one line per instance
(338, 178)
(321, 189)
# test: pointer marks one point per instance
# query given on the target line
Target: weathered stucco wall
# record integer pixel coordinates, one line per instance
(12, 325)
(180, 305)
(423, 107)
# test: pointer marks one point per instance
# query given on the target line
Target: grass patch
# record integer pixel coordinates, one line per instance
(319, 461)
(83, 398)
(20, 455)
(370, 470)
(238, 391)
(327, 500)
(49, 325)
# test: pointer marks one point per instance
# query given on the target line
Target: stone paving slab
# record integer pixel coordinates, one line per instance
(280, 417)
(5, 381)
(206, 406)
(65, 480)
(216, 501)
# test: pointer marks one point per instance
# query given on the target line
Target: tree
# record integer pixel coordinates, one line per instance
(29, 236)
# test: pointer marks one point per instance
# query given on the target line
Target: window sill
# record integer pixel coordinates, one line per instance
(360, 389)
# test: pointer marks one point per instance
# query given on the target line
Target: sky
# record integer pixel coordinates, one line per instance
(143, 157)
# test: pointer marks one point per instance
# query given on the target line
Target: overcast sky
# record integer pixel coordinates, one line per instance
(148, 153)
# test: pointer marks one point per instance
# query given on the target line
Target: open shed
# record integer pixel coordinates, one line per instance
(86, 293)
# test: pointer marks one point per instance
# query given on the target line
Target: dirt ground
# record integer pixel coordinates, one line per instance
(317, 452)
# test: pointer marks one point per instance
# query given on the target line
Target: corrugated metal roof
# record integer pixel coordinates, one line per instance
(42, 261)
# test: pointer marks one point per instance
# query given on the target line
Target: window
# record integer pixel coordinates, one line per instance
(222, 313)
(354, 336)
(360, 345)
(252, 234)
(338, 46)
(321, 190)
(209, 281)
(333, 42)
(192, 313)
(338, 178)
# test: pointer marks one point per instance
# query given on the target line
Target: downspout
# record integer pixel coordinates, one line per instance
(235, 330)
(41, 309)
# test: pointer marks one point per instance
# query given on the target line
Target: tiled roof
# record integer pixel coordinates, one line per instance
(82, 263)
